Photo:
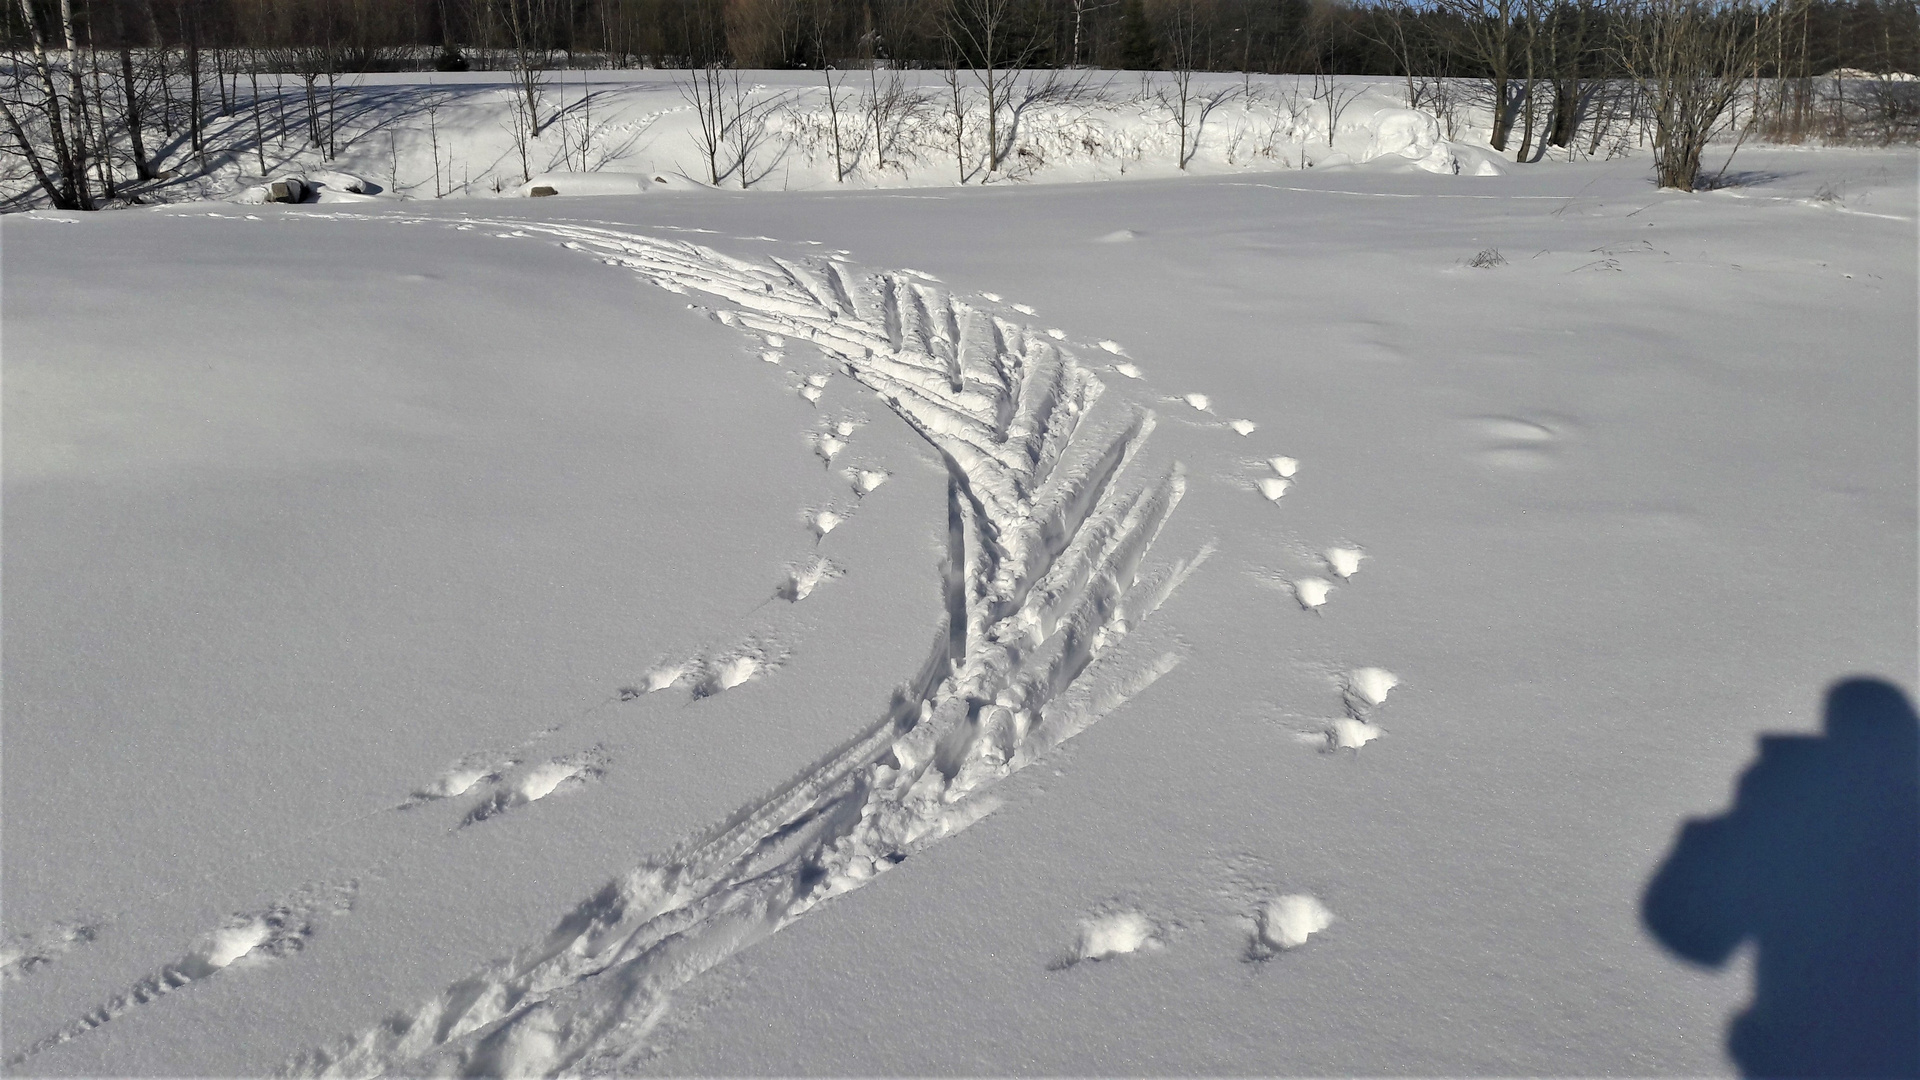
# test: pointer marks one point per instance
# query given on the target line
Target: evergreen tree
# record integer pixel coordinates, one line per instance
(1138, 52)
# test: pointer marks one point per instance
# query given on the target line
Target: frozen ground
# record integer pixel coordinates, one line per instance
(457, 636)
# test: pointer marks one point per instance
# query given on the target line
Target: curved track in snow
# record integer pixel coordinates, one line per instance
(1051, 512)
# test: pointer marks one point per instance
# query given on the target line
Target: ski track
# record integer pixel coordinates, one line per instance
(1050, 519)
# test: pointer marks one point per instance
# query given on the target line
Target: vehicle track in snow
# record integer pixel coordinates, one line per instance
(1052, 512)
(1051, 516)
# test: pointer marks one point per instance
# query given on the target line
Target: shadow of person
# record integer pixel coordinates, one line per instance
(1818, 863)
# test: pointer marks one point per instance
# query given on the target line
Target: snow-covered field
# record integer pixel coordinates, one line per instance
(1197, 625)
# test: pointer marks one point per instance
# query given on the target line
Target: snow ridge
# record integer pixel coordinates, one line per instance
(1049, 525)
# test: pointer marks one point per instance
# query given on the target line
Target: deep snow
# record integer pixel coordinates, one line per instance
(351, 551)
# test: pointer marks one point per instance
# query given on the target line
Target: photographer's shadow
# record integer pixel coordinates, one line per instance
(1818, 862)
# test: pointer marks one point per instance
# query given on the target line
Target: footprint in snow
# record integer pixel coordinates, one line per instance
(1272, 488)
(1285, 923)
(1242, 427)
(1344, 562)
(1103, 937)
(1198, 401)
(1312, 592)
(727, 673)
(823, 522)
(23, 954)
(660, 677)
(827, 444)
(1347, 733)
(1129, 370)
(1367, 689)
(557, 775)
(866, 480)
(242, 940)
(802, 580)
(468, 773)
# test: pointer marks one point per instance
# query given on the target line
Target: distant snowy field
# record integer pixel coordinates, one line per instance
(1195, 624)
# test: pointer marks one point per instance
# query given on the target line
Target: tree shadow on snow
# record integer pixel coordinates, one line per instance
(1818, 863)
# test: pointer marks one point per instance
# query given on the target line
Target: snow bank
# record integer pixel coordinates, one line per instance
(414, 136)
(590, 183)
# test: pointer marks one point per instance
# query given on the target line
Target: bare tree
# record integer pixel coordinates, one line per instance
(999, 42)
(63, 175)
(1488, 33)
(957, 94)
(1180, 45)
(1691, 59)
(704, 92)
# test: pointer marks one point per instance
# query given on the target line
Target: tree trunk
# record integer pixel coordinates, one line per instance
(68, 187)
(141, 166)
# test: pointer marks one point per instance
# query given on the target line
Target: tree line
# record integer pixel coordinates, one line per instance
(1335, 37)
(88, 79)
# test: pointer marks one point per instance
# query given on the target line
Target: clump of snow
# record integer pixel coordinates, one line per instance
(1286, 922)
(1371, 684)
(456, 781)
(541, 780)
(727, 674)
(231, 942)
(663, 676)
(1344, 561)
(1114, 935)
(1312, 591)
(803, 580)
(1347, 733)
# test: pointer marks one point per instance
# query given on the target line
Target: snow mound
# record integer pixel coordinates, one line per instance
(1114, 935)
(1346, 733)
(1344, 561)
(1312, 591)
(1371, 684)
(588, 183)
(1286, 922)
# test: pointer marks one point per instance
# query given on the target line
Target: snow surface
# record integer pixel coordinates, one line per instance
(437, 639)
